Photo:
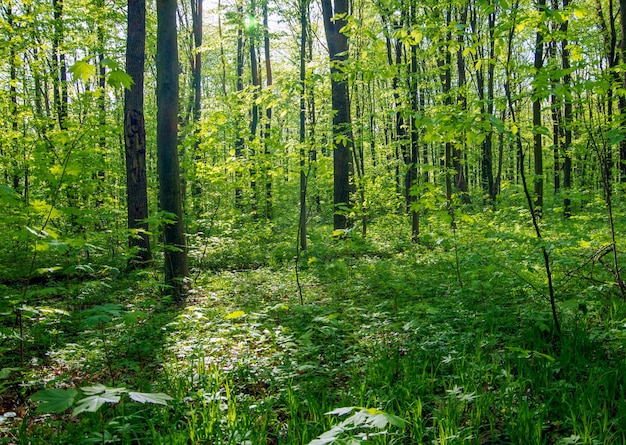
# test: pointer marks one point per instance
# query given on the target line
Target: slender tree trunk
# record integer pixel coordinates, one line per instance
(460, 176)
(415, 221)
(446, 85)
(622, 99)
(555, 113)
(196, 75)
(59, 66)
(222, 54)
(304, 5)
(170, 196)
(610, 49)
(268, 115)
(254, 118)
(486, 107)
(13, 170)
(493, 185)
(239, 142)
(567, 117)
(135, 137)
(100, 176)
(537, 137)
(334, 21)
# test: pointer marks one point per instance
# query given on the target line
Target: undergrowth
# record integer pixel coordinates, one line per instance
(391, 345)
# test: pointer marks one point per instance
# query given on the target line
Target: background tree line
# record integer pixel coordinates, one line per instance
(349, 110)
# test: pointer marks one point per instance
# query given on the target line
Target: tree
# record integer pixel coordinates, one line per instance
(135, 136)
(335, 19)
(537, 133)
(303, 6)
(170, 196)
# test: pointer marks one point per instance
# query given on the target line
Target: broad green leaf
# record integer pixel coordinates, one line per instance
(119, 78)
(6, 372)
(93, 390)
(109, 63)
(100, 395)
(341, 411)
(236, 314)
(95, 320)
(156, 398)
(54, 400)
(82, 70)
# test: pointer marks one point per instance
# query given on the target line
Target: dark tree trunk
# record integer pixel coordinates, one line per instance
(170, 196)
(135, 136)
(334, 21)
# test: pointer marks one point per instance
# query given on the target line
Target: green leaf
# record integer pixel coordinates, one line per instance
(340, 411)
(109, 63)
(119, 78)
(236, 314)
(6, 372)
(82, 70)
(96, 320)
(92, 403)
(101, 395)
(54, 400)
(156, 398)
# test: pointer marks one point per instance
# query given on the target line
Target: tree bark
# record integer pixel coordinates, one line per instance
(537, 137)
(334, 21)
(304, 5)
(239, 142)
(170, 196)
(61, 96)
(135, 136)
(460, 178)
(268, 115)
(567, 118)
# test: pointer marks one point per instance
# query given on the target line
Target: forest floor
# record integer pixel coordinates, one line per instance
(448, 341)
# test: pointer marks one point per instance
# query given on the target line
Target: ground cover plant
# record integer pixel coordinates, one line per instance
(312, 222)
(446, 341)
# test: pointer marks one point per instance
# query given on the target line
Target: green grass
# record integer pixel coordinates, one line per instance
(465, 355)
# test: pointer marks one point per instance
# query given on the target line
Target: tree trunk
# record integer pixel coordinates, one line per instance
(59, 66)
(567, 118)
(268, 115)
(239, 142)
(254, 112)
(304, 5)
(334, 21)
(196, 75)
(443, 63)
(170, 196)
(537, 137)
(135, 137)
(622, 99)
(460, 177)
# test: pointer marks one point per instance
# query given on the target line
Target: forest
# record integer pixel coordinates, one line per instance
(312, 222)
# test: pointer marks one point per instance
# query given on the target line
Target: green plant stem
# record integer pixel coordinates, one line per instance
(534, 215)
(298, 250)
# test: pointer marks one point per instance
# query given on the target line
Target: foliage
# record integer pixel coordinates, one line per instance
(383, 326)
(436, 333)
